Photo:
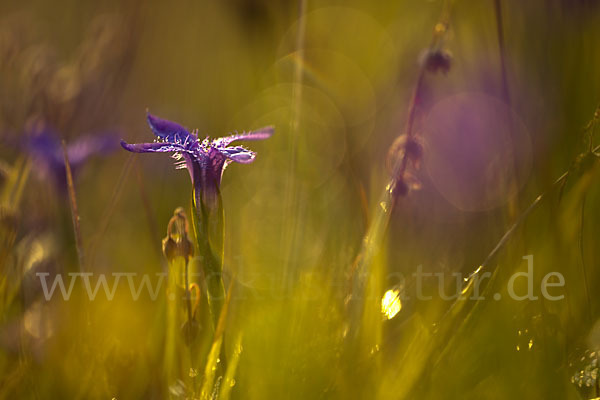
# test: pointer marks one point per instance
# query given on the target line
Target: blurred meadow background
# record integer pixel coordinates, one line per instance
(466, 111)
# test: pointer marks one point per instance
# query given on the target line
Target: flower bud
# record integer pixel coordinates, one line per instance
(177, 242)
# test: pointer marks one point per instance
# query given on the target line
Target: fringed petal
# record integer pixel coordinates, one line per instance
(238, 154)
(168, 130)
(157, 147)
(258, 134)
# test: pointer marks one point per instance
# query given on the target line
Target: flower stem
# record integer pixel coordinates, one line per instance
(208, 229)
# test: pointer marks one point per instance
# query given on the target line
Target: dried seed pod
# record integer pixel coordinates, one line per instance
(404, 185)
(404, 146)
(177, 242)
(414, 151)
(436, 60)
(400, 189)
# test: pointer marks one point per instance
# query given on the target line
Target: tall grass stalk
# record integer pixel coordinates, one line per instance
(229, 378)
(513, 201)
(459, 314)
(291, 208)
(74, 210)
(388, 200)
(110, 208)
(429, 347)
(10, 199)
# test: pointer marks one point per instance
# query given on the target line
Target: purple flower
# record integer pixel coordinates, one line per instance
(44, 146)
(205, 159)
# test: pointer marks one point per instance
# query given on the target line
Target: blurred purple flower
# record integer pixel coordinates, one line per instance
(205, 159)
(44, 146)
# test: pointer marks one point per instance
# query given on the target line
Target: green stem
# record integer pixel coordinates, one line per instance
(208, 228)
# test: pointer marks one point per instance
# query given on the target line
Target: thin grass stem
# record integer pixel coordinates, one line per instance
(290, 200)
(74, 210)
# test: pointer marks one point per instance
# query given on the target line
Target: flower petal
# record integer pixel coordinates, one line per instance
(238, 154)
(87, 146)
(258, 134)
(168, 130)
(45, 145)
(161, 147)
